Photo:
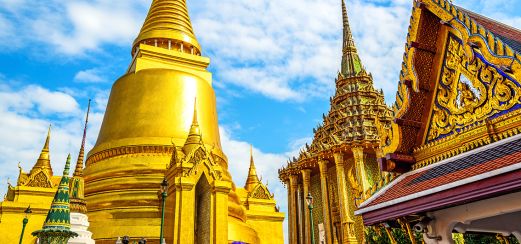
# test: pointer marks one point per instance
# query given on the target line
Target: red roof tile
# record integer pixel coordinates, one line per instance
(452, 171)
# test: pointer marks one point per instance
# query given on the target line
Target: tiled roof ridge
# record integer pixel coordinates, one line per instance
(492, 25)
(372, 202)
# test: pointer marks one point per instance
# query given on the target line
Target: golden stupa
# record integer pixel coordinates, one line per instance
(161, 122)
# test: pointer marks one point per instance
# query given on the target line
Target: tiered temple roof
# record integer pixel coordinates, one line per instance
(357, 109)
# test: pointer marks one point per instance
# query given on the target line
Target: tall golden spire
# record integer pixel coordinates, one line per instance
(351, 64)
(252, 179)
(79, 162)
(44, 161)
(168, 25)
(77, 183)
(194, 135)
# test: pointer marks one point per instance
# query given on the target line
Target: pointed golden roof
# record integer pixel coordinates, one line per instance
(79, 162)
(252, 179)
(44, 161)
(194, 135)
(351, 64)
(168, 25)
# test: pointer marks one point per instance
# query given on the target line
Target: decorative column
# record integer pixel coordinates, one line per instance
(325, 199)
(361, 176)
(300, 212)
(220, 211)
(306, 173)
(347, 225)
(292, 209)
(183, 200)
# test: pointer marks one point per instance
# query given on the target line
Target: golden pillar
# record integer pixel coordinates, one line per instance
(292, 209)
(325, 199)
(183, 206)
(347, 228)
(301, 210)
(221, 189)
(306, 173)
(361, 176)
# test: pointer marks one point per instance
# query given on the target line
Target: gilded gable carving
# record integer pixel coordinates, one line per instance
(40, 180)
(469, 91)
(260, 193)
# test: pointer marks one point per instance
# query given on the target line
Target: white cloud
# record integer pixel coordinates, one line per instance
(89, 76)
(285, 50)
(73, 27)
(26, 114)
(35, 97)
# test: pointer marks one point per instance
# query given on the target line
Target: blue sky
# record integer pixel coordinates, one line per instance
(274, 64)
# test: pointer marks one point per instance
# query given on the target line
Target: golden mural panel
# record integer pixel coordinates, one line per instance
(469, 91)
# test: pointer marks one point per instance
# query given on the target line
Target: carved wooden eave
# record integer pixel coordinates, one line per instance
(432, 24)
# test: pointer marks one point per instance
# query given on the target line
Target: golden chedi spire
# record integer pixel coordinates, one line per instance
(44, 160)
(168, 25)
(351, 64)
(77, 195)
(194, 135)
(252, 179)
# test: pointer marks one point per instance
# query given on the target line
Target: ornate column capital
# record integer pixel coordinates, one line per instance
(306, 174)
(322, 165)
(293, 181)
(358, 153)
(339, 158)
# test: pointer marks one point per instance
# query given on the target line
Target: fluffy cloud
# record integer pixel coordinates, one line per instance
(26, 115)
(287, 50)
(89, 76)
(293, 49)
(71, 27)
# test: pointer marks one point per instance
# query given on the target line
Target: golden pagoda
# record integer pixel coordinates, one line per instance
(340, 165)
(161, 122)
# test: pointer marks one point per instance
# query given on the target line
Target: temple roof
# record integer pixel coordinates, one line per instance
(356, 108)
(508, 34)
(168, 20)
(470, 168)
(471, 162)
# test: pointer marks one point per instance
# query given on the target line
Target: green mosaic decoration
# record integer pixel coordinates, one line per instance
(57, 227)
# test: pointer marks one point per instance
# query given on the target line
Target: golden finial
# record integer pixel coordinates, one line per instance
(351, 64)
(44, 160)
(194, 135)
(252, 179)
(168, 25)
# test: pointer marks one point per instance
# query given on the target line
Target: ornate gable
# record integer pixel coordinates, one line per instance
(458, 86)
(468, 92)
(260, 192)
